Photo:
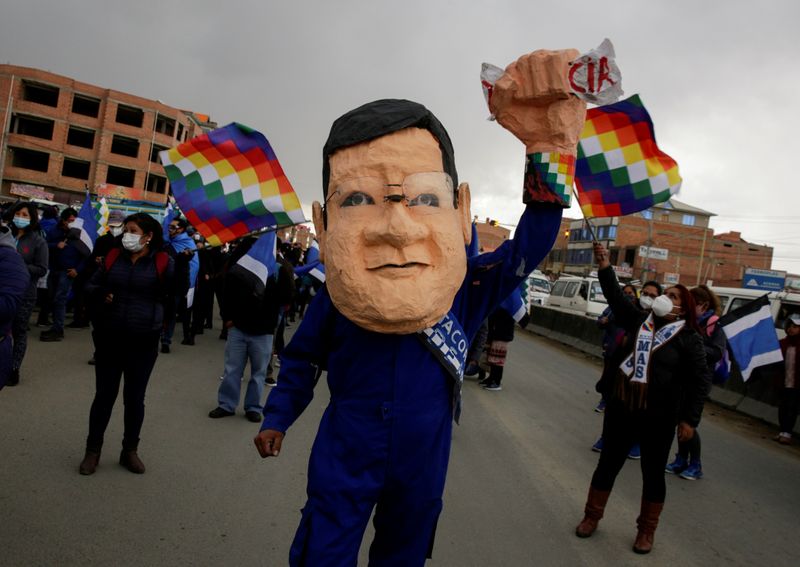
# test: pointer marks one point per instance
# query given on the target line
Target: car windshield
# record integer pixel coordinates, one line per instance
(539, 284)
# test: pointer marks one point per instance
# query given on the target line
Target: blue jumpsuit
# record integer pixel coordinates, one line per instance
(384, 439)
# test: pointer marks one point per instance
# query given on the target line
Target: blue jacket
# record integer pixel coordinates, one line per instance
(14, 281)
(71, 256)
(365, 365)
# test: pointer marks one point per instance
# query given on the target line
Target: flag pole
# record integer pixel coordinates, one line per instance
(585, 218)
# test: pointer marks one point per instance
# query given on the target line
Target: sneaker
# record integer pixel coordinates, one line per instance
(783, 438)
(270, 381)
(598, 445)
(635, 453)
(492, 387)
(677, 466)
(188, 341)
(471, 371)
(600, 407)
(693, 472)
(253, 416)
(164, 348)
(51, 336)
(218, 412)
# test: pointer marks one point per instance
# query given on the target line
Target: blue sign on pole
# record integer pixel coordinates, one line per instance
(767, 280)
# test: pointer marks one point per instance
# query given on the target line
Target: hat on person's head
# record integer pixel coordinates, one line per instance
(794, 319)
(116, 218)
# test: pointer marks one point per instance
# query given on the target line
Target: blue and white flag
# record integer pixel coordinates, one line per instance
(86, 223)
(259, 263)
(312, 267)
(515, 305)
(751, 336)
(169, 216)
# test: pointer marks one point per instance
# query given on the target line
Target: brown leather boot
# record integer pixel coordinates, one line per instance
(129, 459)
(593, 512)
(647, 522)
(89, 463)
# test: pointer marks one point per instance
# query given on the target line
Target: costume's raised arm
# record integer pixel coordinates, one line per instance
(300, 363)
(533, 100)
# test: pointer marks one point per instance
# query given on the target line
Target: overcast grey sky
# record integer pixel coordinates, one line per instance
(719, 79)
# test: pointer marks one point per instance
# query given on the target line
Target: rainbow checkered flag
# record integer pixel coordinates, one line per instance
(619, 169)
(229, 183)
(101, 211)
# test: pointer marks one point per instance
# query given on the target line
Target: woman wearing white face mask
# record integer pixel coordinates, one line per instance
(33, 249)
(661, 385)
(130, 289)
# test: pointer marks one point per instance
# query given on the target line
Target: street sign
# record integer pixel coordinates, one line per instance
(768, 280)
(671, 278)
(654, 253)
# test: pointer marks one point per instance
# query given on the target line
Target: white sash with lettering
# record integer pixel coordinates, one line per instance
(636, 366)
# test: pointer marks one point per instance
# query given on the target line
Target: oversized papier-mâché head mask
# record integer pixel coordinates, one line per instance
(394, 223)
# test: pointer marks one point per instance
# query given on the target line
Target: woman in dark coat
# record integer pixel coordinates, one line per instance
(33, 249)
(661, 385)
(130, 290)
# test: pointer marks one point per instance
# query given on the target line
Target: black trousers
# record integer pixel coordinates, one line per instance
(119, 354)
(787, 409)
(621, 429)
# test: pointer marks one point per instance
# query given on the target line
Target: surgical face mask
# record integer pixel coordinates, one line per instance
(662, 305)
(646, 301)
(132, 242)
(21, 222)
(115, 230)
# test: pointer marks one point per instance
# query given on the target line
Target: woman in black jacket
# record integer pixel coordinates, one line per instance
(32, 247)
(130, 290)
(662, 384)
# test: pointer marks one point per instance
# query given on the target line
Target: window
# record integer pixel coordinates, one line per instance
(584, 290)
(130, 115)
(723, 301)
(76, 168)
(39, 93)
(784, 311)
(539, 284)
(29, 159)
(613, 256)
(80, 137)
(85, 105)
(647, 215)
(180, 131)
(596, 293)
(581, 256)
(125, 146)
(165, 125)
(156, 184)
(630, 256)
(558, 288)
(607, 232)
(689, 220)
(738, 302)
(154, 151)
(120, 176)
(32, 126)
(572, 288)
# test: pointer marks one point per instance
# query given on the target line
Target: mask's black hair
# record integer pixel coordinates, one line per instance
(381, 117)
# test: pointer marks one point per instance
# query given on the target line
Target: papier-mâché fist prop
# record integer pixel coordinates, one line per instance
(533, 100)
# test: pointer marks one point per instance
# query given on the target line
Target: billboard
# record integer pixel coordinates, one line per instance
(767, 280)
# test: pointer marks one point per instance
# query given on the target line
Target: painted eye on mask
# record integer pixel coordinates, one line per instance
(424, 200)
(357, 199)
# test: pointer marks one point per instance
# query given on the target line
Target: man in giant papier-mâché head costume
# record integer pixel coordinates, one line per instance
(393, 325)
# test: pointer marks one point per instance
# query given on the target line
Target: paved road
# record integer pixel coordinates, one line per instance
(519, 472)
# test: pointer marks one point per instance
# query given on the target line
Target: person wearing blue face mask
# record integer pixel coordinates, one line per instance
(33, 249)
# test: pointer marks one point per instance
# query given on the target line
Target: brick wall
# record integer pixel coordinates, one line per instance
(105, 126)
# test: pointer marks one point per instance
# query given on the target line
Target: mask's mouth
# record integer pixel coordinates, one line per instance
(407, 268)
